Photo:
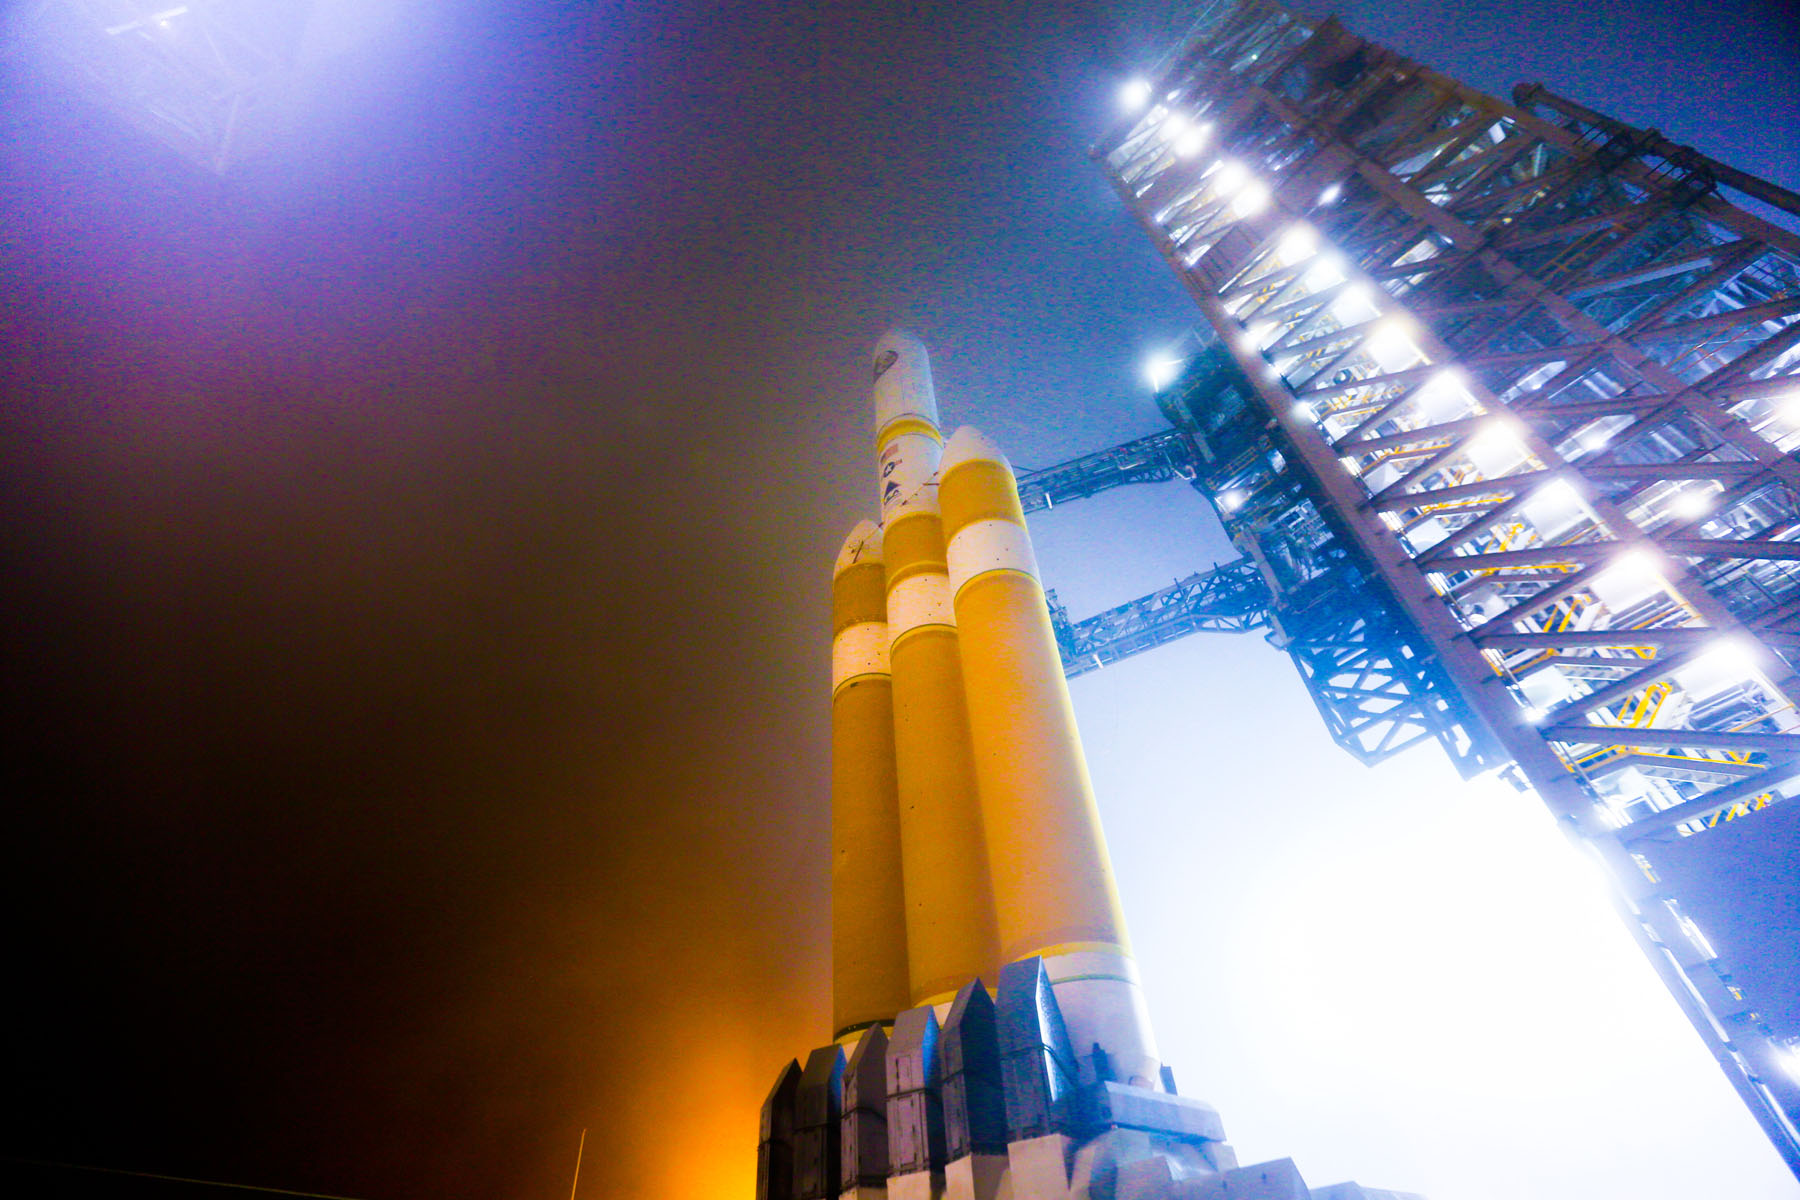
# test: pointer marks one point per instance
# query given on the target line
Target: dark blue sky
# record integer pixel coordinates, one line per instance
(417, 540)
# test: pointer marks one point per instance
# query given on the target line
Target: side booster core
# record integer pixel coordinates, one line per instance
(868, 917)
(1054, 892)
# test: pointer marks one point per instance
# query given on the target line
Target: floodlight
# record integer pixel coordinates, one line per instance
(1692, 502)
(1161, 370)
(1251, 200)
(1232, 176)
(1297, 243)
(1327, 272)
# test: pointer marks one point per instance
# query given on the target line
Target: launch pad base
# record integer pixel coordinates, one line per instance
(972, 1110)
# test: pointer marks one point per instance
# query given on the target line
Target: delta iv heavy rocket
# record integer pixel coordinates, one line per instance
(999, 1046)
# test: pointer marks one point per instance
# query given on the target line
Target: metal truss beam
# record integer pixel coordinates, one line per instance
(1227, 599)
(1154, 459)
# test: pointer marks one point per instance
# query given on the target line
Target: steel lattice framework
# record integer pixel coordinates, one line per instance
(1365, 671)
(1502, 411)
(1226, 599)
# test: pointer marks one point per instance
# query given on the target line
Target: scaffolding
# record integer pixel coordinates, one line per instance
(1500, 402)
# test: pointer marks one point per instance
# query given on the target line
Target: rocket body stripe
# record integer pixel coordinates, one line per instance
(908, 425)
(1054, 891)
(990, 545)
(857, 651)
(868, 928)
(917, 541)
(950, 927)
(918, 601)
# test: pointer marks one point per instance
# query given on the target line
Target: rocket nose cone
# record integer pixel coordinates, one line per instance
(902, 379)
(862, 546)
(897, 342)
(969, 444)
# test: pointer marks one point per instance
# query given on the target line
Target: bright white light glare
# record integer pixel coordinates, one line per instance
(1692, 502)
(1445, 396)
(1554, 509)
(1594, 437)
(1251, 200)
(1330, 195)
(1161, 370)
(1354, 305)
(1191, 142)
(1559, 491)
(1324, 917)
(1232, 176)
(1632, 578)
(1260, 333)
(1790, 1061)
(1327, 272)
(1534, 715)
(1134, 95)
(161, 19)
(1297, 243)
(1725, 665)
(1390, 344)
(1730, 656)
(1173, 124)
(1495, 450)
(1231, 501)
(1304, 412)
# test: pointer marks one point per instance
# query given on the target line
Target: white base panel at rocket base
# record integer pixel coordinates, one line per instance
(991, 1040)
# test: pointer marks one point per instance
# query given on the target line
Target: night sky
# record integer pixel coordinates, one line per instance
(415, 566)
